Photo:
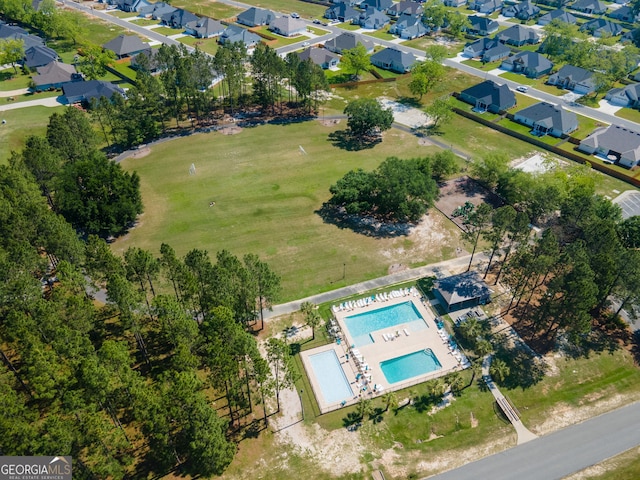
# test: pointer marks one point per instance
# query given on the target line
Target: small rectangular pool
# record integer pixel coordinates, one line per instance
(333, 382)
(360, 326)
(410, 365)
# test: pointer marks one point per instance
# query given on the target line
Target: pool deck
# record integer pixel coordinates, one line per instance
(381, 350)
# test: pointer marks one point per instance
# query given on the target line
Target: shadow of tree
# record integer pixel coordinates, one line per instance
(352, 421)
(364, 225)
(345, 141)
(409, 101)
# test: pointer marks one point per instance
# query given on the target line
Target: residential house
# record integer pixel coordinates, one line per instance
(482, 25)
(522, 11)
(614, 143)
(632, 36)
(54, 75)
(320, 56)
(83, 92)
(126, 46)
(576, 79)
(38, 56)
(547, 119)
(599, 27)
(156, 10)
(560, 15)
(454, 3)
(373, 18)
(518, 36)
(465, 290)
(254, 17)
(624, 14)
(376, 4)
(406, 8)
(394, 60)
(409, 27)
(132, 5)
(205, 27)
(179, 18)
(628, 96)
(489, 96)
(593, 7)
(530, 64)
(487, 49)
(147, 59)
(347, 41)
(342, 12)
(12, 32)
(485, 6)
(351, 3)
(233, 34)
(288, 26)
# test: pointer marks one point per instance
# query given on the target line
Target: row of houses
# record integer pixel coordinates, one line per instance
(613, 144)
(527, 10)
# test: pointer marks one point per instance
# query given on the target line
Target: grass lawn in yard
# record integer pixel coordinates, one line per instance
(525, 130)
(629, 113)
(343, 75)
(124, 67)
(121, 14)
(306, 10)
(348, 26)
(552, 89)
(266, 193)
(208, 45)
(145, 22)
(168, 31)
(382, 34)
(209, 8)
(29, 96)
(22, 123)
(317, 31)
(523, 101)
(586, 126)
(482, 66)
(516, 77)
(423, 42)
(277, 41)
(10, 80)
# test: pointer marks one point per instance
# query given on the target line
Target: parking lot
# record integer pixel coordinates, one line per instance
(629, 201)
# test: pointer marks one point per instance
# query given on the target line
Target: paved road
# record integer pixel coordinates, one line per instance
(561, 453)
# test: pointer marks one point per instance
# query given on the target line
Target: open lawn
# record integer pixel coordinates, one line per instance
(516, 77)
(306, 10)
(20, 124)
(145, 22)
(482, 66)
(209, 8)
(208, 45)
(10, 80)
(266, 192)
(277, 41)
(121, 14)
(348, 26)
(423, 42)
(629, 113)
(382, 34)
(621, 467)
(29, 96)
(168, 31)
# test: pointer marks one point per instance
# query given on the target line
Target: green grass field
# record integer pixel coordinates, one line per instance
(20, 124)
(382, 34)
(213, 9)
(208, 45)
(12, 80)
(266, 193)
(629, 113)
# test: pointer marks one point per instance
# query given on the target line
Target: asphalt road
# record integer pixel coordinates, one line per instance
(561, 453)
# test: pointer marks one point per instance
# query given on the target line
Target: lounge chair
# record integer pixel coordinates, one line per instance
(384, 336)
(406, 332)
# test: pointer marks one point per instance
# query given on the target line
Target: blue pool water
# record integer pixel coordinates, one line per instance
(333, 382)
(410, 365)
(361, 325)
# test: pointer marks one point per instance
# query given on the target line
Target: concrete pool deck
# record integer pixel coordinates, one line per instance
(381, 350)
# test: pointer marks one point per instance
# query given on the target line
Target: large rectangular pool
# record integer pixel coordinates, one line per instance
(360, 326)
(410, 365)
(333, 382)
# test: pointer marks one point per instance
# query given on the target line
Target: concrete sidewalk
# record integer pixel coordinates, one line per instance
(43, 102)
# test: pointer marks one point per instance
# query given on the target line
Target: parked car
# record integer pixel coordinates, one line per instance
(522, 88)
(294, 15)
(316, 21)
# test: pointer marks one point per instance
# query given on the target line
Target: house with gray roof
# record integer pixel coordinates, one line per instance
(547, 119)
(519, 36)
(394, 60)
(409, 27)
(342, 12)
(54, 75)
(600, 27)
(487, 49)
(132, 5)
(485, 6)
(522, 11)
(233, 34)
(12, 32)
(373, 18)
(126, 46)
(205, 27)
(254, 17)
(593, 7)
(320, 56)
(628, 96)
(465, 290)
(38, 56)
(405, 7)
(179, 18)
(454, 3)
(347, 41)
(376, 4)
(614, 143)
(147, 60)
(482, 25)
(624, 14)
(530, 64)
(632, 36)
(288, 26)
(560, 15)
(156, 10)
(83, 92)
(489, 96)
(576, 79)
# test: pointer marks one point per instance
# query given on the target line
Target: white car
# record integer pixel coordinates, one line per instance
(295, 15)
(522, 88)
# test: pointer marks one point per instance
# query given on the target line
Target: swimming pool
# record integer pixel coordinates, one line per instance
(333, 382)
(410, 365)
(360, 326)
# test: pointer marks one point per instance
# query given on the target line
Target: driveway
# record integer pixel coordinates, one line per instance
(43, 102)
(629, 201)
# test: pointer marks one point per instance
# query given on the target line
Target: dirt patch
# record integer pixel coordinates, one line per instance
(424, 142)
(140, 153)
(230, 130)
(330, 122)
(396, 267)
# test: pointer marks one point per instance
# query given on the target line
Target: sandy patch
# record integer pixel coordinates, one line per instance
(424, 142)
(230, 130)
(330, 123)
(140, 153)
